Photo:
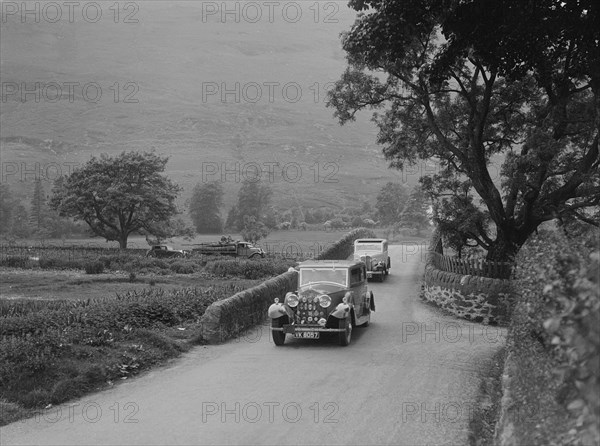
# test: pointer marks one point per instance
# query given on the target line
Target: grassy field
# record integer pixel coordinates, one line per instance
(74, 284)
(275, 241)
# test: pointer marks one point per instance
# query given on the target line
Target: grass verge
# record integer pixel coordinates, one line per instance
(485, 416)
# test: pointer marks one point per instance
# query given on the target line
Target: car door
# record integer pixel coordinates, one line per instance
(242, 250)
(358, 288)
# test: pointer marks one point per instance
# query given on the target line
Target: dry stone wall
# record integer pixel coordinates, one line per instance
(479, 299)
(230, 317)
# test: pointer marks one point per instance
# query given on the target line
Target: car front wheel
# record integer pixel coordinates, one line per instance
(278, 336)
(346, 335)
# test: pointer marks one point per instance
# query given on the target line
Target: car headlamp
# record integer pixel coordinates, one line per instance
(324, 300)
(291, 300)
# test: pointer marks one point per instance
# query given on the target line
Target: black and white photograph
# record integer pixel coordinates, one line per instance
(304, 222)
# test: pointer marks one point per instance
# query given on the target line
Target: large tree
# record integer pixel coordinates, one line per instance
(118, 196)
(391, 200)
(253, 229)
(7, 205)
(414, 214)
(471, 82)
(41, 217)
(253, 201)
(205, 207)
(14, 220)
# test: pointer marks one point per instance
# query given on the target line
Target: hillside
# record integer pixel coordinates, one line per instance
(175, 62)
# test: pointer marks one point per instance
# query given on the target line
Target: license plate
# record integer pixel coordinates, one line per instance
(307, 334)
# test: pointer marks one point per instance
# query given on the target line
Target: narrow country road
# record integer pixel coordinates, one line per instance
(410, 378)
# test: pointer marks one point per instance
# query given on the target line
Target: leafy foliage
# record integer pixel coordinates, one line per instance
(253, 201)
(94, 267)
(119, 196)
(414, 215)
(14, 218)
(249, 269)
(51, 351)
(253, 229)
(205, 205)
(390, 202)
(522, 85)
(344, 247)
(559, 308)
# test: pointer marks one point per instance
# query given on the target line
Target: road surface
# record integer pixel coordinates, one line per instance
(410, 378)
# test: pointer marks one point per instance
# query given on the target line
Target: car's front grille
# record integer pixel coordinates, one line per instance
(368, 261)
(309, 312)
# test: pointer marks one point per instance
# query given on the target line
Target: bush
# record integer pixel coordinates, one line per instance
(183, 267)
(120, 261)
(15, 261)
(60, 263)
(94, 267)
(357, 221)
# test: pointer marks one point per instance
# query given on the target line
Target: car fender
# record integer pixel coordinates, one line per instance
(342, 311)
(276, 311)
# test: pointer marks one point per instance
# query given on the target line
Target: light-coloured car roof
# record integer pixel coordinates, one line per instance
(328, 263)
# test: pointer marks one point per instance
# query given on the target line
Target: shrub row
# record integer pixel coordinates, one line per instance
(249, 269)
(230, 317)
(556, 323)
(344, 247)
(243, 268)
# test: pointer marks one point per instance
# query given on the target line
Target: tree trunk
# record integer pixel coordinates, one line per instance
(502, 250)
(123, 242)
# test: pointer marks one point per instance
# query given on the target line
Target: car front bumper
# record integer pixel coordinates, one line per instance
(291, 329)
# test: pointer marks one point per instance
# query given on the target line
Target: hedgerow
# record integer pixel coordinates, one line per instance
(556, 322)
(248, 269)
(15, 261)
(344, 247)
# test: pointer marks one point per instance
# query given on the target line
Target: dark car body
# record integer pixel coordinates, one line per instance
(332, 297)
(165, 251)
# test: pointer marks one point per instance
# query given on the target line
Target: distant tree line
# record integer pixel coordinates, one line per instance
(129, 194)
(33, 219)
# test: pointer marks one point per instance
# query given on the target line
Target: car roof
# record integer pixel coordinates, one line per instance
(328, 263)
(370, 240)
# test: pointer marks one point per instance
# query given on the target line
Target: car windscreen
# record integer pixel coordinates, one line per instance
(368, 247)
(311, 275)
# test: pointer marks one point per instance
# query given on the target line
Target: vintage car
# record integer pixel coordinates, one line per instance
(162, 251)
(374, 253)
(332, 297)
